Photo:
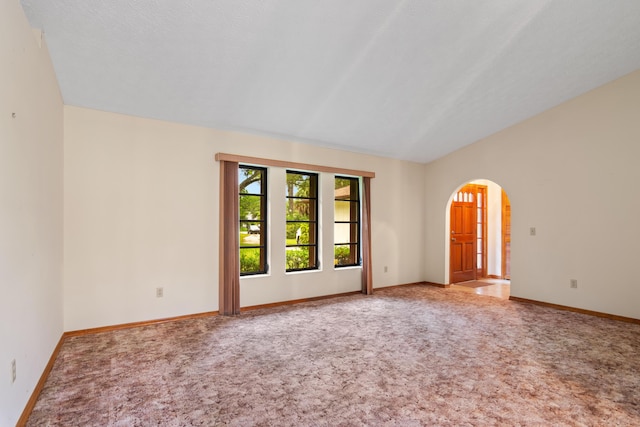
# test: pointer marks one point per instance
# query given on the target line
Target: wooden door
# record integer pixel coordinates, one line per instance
(462, 259)
(506, 237)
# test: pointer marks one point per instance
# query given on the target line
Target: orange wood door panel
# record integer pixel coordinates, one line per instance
(462, 257)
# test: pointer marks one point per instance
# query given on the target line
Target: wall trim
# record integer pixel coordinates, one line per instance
(576, 310)
(297, 301)
(31, 403)
(98, 330)
(437, 285)
(493, 276)
(400, 286)
(292, 165)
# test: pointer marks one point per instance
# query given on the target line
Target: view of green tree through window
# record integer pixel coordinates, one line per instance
(252, 183)
(302, 217)
(346, 231)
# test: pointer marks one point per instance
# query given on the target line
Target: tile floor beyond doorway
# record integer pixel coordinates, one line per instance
(497, 287)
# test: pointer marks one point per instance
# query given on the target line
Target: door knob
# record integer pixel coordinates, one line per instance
(453, 239)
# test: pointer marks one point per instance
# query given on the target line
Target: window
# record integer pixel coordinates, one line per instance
(302, 221)
(346, 229)
(252, 183)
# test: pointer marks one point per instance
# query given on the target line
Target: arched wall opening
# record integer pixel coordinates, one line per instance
(491, 230)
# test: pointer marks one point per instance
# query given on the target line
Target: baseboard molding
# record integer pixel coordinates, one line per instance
(297, 301)
(493, 276)
(90, 331)
(400, 286)
(576, 310)
(31, 403)
(437, 285)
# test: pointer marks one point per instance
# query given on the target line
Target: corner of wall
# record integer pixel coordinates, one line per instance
(31, 194)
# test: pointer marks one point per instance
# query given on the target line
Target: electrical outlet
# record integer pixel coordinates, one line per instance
(386, 268)
(13, 371)
(159, 292)
(574, 283)
(532, 231)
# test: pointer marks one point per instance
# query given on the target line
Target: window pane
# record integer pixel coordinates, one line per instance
(253, 226)
(342, 183)
(347, 188)
(345, 233)
(301, 209)
(299, 185)
(250, 207)
(300, 258)
(251, 234)
(301, 233)
(250, 180)
(301, 226)
(292, 233)
(250, 261)
(346, 255)
(346, 229)
(346, 211)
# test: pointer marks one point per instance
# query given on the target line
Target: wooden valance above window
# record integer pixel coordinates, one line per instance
(291, 165)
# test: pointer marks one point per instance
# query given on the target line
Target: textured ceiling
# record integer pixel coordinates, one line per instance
(412, 79)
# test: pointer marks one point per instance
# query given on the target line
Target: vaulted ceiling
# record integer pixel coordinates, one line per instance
(408, 79)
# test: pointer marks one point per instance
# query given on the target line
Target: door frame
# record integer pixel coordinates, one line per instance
(506, 256)
(485, 250)
(481, 249)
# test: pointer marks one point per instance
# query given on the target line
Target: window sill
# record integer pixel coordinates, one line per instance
(348, 267)
(317, 270)
(255, 276)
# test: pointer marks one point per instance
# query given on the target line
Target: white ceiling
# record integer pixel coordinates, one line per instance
(408, 79)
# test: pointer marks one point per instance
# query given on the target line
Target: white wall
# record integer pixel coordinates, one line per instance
(30, 210)
(141, 211)
(494, 229)
(571, 173)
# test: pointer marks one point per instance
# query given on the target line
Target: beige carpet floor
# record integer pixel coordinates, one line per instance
(407, 356)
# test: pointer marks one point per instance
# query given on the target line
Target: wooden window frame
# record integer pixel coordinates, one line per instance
(264, 226)
(314, 263)
(354, 218)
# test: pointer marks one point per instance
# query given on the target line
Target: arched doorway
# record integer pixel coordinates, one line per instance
(479, 218)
